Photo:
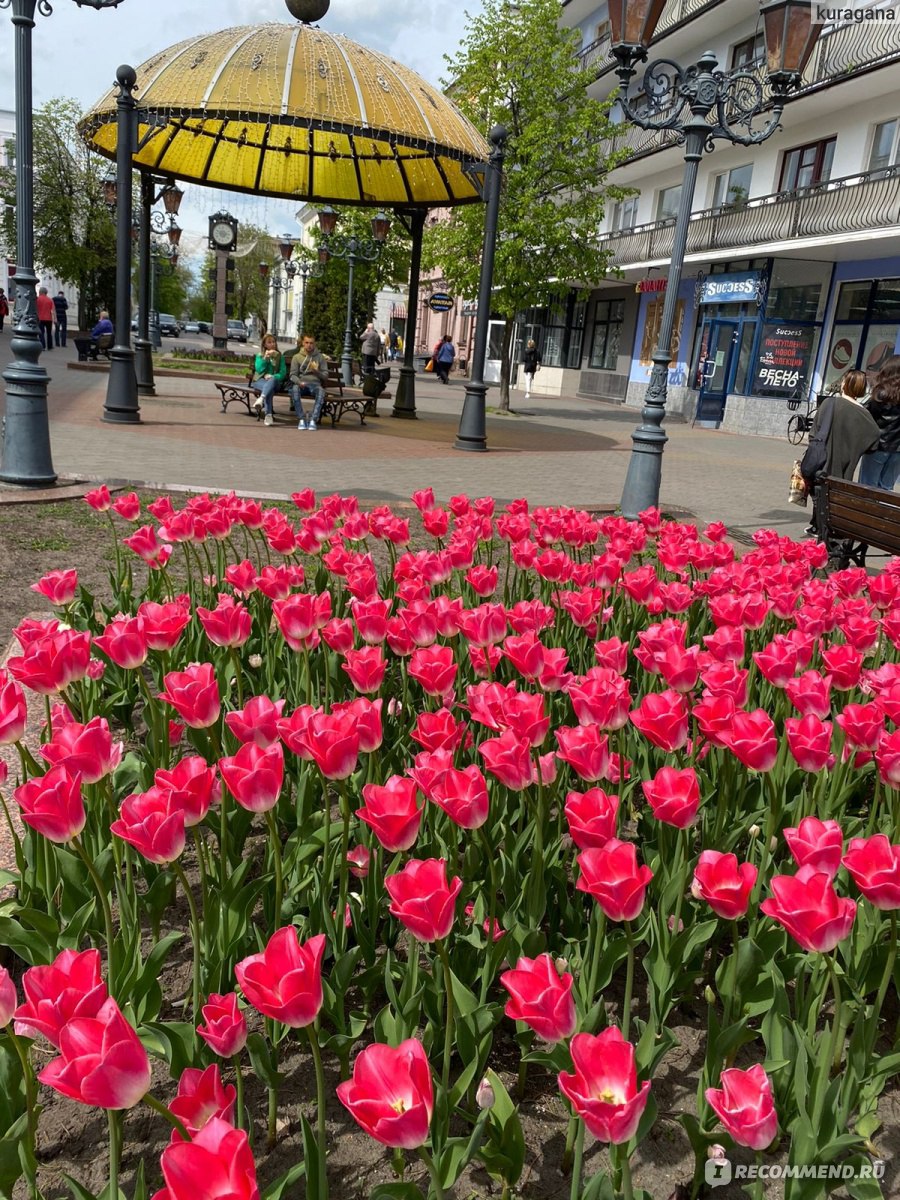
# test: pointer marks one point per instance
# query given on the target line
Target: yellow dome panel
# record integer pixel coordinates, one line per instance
(289, 110)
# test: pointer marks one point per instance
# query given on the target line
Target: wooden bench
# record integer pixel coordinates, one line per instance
(334, 407)
(859, 517)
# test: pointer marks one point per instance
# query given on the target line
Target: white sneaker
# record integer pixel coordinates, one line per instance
(257, 404)
(312, 425)
(270, 420)
(301, 424)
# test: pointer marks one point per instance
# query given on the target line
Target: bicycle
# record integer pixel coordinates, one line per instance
(800, 424)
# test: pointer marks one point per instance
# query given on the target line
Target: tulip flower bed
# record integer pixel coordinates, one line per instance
(349, 843)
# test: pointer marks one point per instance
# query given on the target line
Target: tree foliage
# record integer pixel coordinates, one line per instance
(518, 68)
(325, 311)
(74, 231)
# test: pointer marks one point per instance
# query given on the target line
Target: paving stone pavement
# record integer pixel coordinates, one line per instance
(553, 450)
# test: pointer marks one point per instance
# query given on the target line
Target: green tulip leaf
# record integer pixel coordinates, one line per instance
(279, 1186)
(396, 1191)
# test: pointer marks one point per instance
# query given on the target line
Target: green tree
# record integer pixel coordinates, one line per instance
(325, 309)
(516, 67)
(74, 231)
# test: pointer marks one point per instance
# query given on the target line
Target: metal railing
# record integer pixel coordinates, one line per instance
(850, 205)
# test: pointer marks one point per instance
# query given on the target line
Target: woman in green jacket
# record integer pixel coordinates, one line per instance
(269, 371)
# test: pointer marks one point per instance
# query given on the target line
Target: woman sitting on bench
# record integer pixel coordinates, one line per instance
(269, 371)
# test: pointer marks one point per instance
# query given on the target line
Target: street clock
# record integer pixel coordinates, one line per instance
(223, 230)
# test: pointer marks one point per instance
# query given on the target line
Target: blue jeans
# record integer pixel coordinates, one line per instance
(308, 389)
(267, 389)
(880, 469)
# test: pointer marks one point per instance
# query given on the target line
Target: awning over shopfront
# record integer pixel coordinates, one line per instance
(293, 111)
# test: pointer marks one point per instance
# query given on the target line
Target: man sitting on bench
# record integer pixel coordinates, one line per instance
(309, 374)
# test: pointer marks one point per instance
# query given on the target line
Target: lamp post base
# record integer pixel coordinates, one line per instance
(644, 478)
(143, 367)
(405, 399)
(347, 369)
(472, 433)
(121, 404)
(26, 458)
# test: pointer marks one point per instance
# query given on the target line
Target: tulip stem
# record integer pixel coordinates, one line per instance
(598, 934)
(195, 937)
(575, 1190)
(436, 1188)
(312, 1034)
(239, 1089)
(344, 866)
(158, 1107)
(834, 1046)
(448, 1031)
(886, 978)
(629, 982)
(731, 994)
(29, 1153)
(115, 1151)
(107, 913)
(238, 680)
(276, 861)
(625, 1167)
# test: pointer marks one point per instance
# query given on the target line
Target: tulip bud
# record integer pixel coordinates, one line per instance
(773, 844)
(255, 660)
(9, 1000)
(484, 1097)
(754, 831)
(562, 965)
(716, 1151)
(395, 706)
(709, 995)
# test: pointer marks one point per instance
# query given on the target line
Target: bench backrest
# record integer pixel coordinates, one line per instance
(105, 341)
(867, 514)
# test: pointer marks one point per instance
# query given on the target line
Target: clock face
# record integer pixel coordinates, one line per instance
(222, 233)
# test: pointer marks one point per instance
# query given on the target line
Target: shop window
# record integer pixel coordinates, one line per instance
(667, 200)
(805, 166)
(866, 328)
(576, 334)
(731, 189)
(884, 150)
(608, 317)
(749, 52)
(798, 289)
(624, 214)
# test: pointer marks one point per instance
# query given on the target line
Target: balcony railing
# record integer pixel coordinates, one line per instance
(839, 52)
(855, 204)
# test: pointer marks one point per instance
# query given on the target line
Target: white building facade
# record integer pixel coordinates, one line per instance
(792, 271)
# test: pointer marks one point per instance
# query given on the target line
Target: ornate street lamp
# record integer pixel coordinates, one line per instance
(354, 250)
(26, 458)
(699, 104)
(148, 338)
(472, 433)
(303, 268)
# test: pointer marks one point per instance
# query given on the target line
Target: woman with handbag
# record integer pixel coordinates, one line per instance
(842, 433)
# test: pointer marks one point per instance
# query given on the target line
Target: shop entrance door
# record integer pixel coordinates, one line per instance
(720, 339)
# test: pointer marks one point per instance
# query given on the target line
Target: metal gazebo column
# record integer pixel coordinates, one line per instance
(405, 400)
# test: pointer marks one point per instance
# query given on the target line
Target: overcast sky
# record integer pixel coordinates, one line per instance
(76, 52)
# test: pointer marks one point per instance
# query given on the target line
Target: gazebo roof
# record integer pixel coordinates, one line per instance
(292, 111)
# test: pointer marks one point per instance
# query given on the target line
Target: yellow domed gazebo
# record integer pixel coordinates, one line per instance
(293, 111)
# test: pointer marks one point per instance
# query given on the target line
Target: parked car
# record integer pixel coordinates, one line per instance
(191, 327)
(168, 325)
(204, 327)
(237, 331)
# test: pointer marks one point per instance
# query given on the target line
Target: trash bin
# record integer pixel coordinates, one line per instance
(421, 360)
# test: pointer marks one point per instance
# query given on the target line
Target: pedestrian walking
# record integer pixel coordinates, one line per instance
(45, 314)
(531, 364)
(881, 467)
(443, 359)
(370, 345)
(61, 308)
(4, 307)
(394, 345)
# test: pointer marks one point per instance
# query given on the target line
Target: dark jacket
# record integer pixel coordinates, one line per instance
(61, 304)
(887, 418)
(853, 433)
(531, 360)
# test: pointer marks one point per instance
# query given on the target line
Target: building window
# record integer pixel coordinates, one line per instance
(748, 52)
(624, 214)
(608, 317)
(866, 328)
(806, 166)
(667, 203)
(731, 189)
(884, 146)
